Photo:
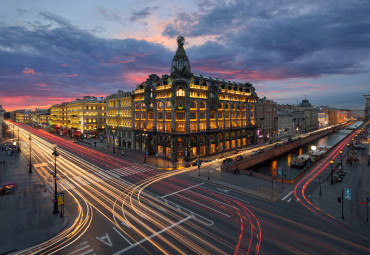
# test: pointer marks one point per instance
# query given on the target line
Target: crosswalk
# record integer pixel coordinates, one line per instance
(74, 181)
(129, 170)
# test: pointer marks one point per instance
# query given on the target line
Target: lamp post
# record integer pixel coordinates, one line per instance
(30, 167)
(320, 184)
(341, 159)
(18, 138)
(55, 154)
(331, 172)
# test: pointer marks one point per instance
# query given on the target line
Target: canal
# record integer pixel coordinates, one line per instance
(270, 167)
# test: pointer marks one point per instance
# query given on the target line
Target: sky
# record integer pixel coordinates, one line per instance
(56, 51)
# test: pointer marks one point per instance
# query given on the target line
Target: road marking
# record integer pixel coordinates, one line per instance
(107, 242)
(205, 206)
(217, 201)
(40, 165)
(224, 190)
(122, 235)
(149, 237)
(80, 249)
(182, 190)
(124, 223)
(290, 199)
(86, 252)
(227, 195)
(287, 195)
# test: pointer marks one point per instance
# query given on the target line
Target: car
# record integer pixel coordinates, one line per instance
(255, 152)
(227, 160)
(237, 158)
(195, 162)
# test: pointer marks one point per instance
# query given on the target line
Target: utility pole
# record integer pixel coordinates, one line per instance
(320, 185)
(331, 172)
(55, 154)
(341, 160)
(30, 168)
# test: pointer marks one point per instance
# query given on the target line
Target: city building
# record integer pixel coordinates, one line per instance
(284, 124)
(119, 119)
(266, 119)
(367, 107)
(23, 116)
(86, 115)
(2, 112)
(184, 115)
(310, 116)
(323, 118)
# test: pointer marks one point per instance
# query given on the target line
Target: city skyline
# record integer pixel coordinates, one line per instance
(51, 53)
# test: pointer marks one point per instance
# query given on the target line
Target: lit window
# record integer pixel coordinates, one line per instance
(168, 104)
(193, 105)
(180, 92)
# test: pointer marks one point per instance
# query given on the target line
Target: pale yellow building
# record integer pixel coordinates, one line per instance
(119, 121)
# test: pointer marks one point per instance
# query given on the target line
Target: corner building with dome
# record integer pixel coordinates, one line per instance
(182, 115)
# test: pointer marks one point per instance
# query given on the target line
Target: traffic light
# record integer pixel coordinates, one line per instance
(339, 199)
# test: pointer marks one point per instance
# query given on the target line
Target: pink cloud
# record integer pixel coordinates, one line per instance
(28, 70)
(64, 65)
(41, 85)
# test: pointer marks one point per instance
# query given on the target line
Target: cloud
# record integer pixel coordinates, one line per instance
(28, 70)
(142, 14)
(279, 40)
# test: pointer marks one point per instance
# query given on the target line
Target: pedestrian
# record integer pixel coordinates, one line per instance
(251, 172)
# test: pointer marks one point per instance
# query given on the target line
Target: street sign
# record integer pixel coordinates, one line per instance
(61, 199)
(347, 193)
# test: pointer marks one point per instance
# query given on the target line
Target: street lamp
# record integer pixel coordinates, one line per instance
(55, 154)
(331, 172)
(320, 185)
(30, 169)
(341, 159)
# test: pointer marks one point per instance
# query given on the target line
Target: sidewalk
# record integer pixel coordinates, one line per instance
(26, 215)
(358, 180)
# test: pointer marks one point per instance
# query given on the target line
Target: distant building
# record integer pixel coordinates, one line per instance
(86, 115)
(266, 119)
(119, 119)
(2, 112)
(323, 118)
(367, 107)
(284, 124)
(310, 116)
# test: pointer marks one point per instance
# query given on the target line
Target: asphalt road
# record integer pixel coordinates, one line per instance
(133, 208)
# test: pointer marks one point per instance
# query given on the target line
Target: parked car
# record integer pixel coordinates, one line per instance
(195, 162)
(239, 157)
(227, 160)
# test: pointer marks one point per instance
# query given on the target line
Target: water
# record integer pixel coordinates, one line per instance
(269, 167)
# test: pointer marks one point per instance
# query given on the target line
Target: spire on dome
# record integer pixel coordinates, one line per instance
(180, 66)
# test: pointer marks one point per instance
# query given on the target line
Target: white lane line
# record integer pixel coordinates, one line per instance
(82, 243)
(290, 199)
(69, 185)
(287, 195)
(204, 206)
(182, 190)
(227, 195)
(86, 252)
(83, 248)
(149, 237)
(217, 201)
(122, 235)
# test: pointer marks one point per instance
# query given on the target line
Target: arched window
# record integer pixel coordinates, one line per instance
(159, 105)
(243, 106)
(180, 92)
(227, 106)
(202, 105)
(193, 104)
(136, 107)
(233, 107)
(168, 104)
(142, 106)
(238, 107)
(220, 106)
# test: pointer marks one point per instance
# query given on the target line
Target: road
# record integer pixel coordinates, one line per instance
(126, 207)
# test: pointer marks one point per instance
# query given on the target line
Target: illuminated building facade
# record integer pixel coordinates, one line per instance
(23, 116)
(119, 119)
(2, 112)
(266, 119)
(86, 115)
(182, 115)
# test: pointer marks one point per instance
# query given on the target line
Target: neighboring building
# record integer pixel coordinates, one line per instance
(310, 115)
(182, 115)
(2, 112)
(284, 124)
(367, 107)
(119, 119)
(23, 116)
(266, 119)
(42, 117)
(323, 118)
(86, 115)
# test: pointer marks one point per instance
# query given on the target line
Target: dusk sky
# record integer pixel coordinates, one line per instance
(56, 51)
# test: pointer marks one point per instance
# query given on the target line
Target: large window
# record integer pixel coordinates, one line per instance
(180, 92)
(168, 115)
(202, 105)
(160, 115)
(193, 115)
(160, 105)
(193, 105)
(180, 116)
(168, 105)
